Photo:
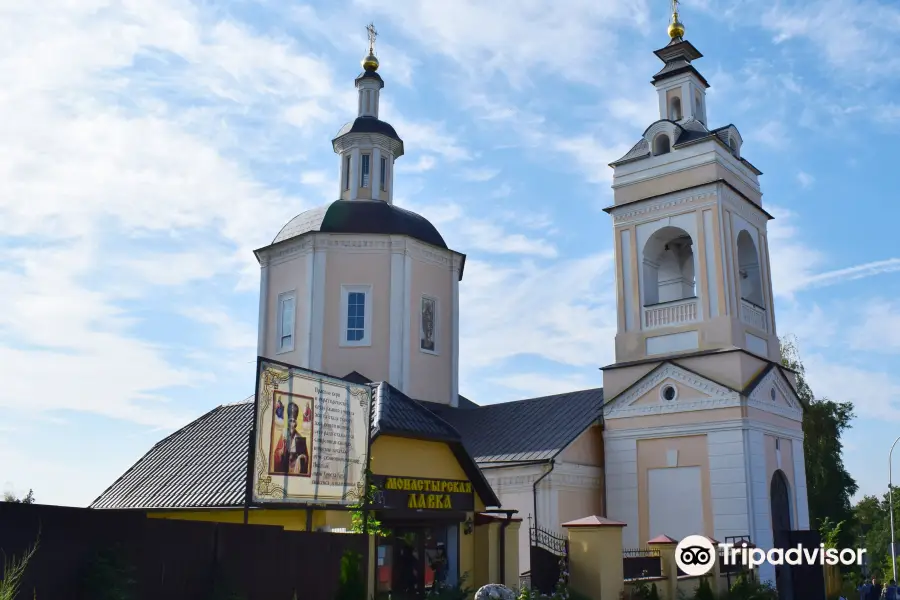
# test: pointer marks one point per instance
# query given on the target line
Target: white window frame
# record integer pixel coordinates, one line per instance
(279, 333)
(366, 340)
(365, 179)
(437, 328)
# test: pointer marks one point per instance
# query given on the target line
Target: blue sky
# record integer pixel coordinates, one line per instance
(148, 147)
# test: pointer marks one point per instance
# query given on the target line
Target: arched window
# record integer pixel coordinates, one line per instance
(668, 267)
(675, 109)
(748, 269)
(661, 144)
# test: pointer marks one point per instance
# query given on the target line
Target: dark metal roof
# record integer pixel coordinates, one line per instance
(362, 216)
(369, 125)
(398, 414)
(370, 75)
(525, 430)
(204, 464)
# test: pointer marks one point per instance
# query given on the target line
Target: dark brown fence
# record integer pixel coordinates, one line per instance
(639, 563)
(88, 554)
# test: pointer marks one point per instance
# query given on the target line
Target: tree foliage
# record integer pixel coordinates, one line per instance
(828, 483)
(11, 497)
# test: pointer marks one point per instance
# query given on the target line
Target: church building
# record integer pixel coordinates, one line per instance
(696, 430)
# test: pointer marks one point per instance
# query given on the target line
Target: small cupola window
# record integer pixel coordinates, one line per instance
(675, 109)
(661, 144)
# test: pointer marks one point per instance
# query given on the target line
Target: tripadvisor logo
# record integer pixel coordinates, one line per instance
(695, 555)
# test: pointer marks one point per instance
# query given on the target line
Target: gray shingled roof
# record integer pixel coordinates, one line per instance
(204, 464)
(525, 430)
(692, 130)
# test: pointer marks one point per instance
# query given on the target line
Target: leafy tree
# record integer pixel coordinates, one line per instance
(828, 483)
(11, 497)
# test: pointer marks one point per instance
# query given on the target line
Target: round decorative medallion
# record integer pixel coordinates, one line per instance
(668, 393)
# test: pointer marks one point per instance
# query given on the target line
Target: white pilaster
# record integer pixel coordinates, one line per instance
(354, 174)
(800, 485)
(622, 487)
(759, 489)
(454, 333)
(398, 327)
(308, 302)
(261, 329)
(728, 483)
(408, 310)
(627, 279)
(317, 310)
(712, 282)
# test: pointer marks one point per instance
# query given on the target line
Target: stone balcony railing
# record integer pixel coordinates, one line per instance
(753, 315)
(670, 314)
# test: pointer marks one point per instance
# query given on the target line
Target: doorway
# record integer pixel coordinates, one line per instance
(414, 560)
(781, 532)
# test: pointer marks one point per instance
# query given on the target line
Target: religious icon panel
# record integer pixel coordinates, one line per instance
(311, 437)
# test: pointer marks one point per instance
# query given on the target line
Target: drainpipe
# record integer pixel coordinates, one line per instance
(534, 490)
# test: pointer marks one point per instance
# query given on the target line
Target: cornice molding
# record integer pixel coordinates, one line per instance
(648, 210)
(747, 210)
(702, 428)
(363, 244)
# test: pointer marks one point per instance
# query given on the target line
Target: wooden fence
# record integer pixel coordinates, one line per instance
(85, 554)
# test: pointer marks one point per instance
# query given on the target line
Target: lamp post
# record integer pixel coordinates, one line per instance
(891, 500)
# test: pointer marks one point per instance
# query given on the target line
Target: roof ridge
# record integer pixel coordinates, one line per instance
(551, 396)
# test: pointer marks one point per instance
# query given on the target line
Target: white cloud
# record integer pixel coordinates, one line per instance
(805, 179)
(563, 312)
(426, 162)
(480, 174)
(515, 39)
(534, 385)
(772, 133)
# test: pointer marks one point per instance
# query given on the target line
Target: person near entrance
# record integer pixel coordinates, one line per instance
(438, 563)
(890, 591)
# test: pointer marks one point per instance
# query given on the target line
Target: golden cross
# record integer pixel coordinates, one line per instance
(675, 7)
(373, 34)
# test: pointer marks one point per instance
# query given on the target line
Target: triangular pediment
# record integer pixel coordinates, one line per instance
(774, 394)
(670, 388)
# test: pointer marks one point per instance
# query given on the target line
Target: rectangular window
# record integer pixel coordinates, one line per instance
(428, 326)
(364, 171)
(383, 174)
(347, 173)
(286, 309)
(356, 310)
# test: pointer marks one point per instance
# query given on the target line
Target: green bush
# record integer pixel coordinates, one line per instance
(654, 593)
(110, 577)
(353, 585)
(704, 591)
(14, 571)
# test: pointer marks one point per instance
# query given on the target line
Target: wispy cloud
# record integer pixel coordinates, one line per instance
(480, 174)
(805, 179)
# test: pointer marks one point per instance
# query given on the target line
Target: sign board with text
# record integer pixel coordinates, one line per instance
(418, 493)
(310, 437)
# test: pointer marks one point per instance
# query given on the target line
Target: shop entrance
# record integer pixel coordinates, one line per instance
(416, 559)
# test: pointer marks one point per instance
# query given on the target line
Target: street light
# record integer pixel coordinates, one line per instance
(891, 500)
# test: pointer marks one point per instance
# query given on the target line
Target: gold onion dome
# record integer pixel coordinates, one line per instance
(676, 29)
(370, 63)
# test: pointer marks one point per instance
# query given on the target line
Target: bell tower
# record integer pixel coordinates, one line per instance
(691, 244)
(701, 421)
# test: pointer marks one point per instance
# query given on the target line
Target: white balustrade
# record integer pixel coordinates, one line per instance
(753, 315)
(669, 314)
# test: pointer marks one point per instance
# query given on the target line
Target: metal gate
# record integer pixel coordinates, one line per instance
(549, 559)
(807, 581)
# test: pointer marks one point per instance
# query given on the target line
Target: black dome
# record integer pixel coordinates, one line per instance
(369, 125)
(362, 216)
